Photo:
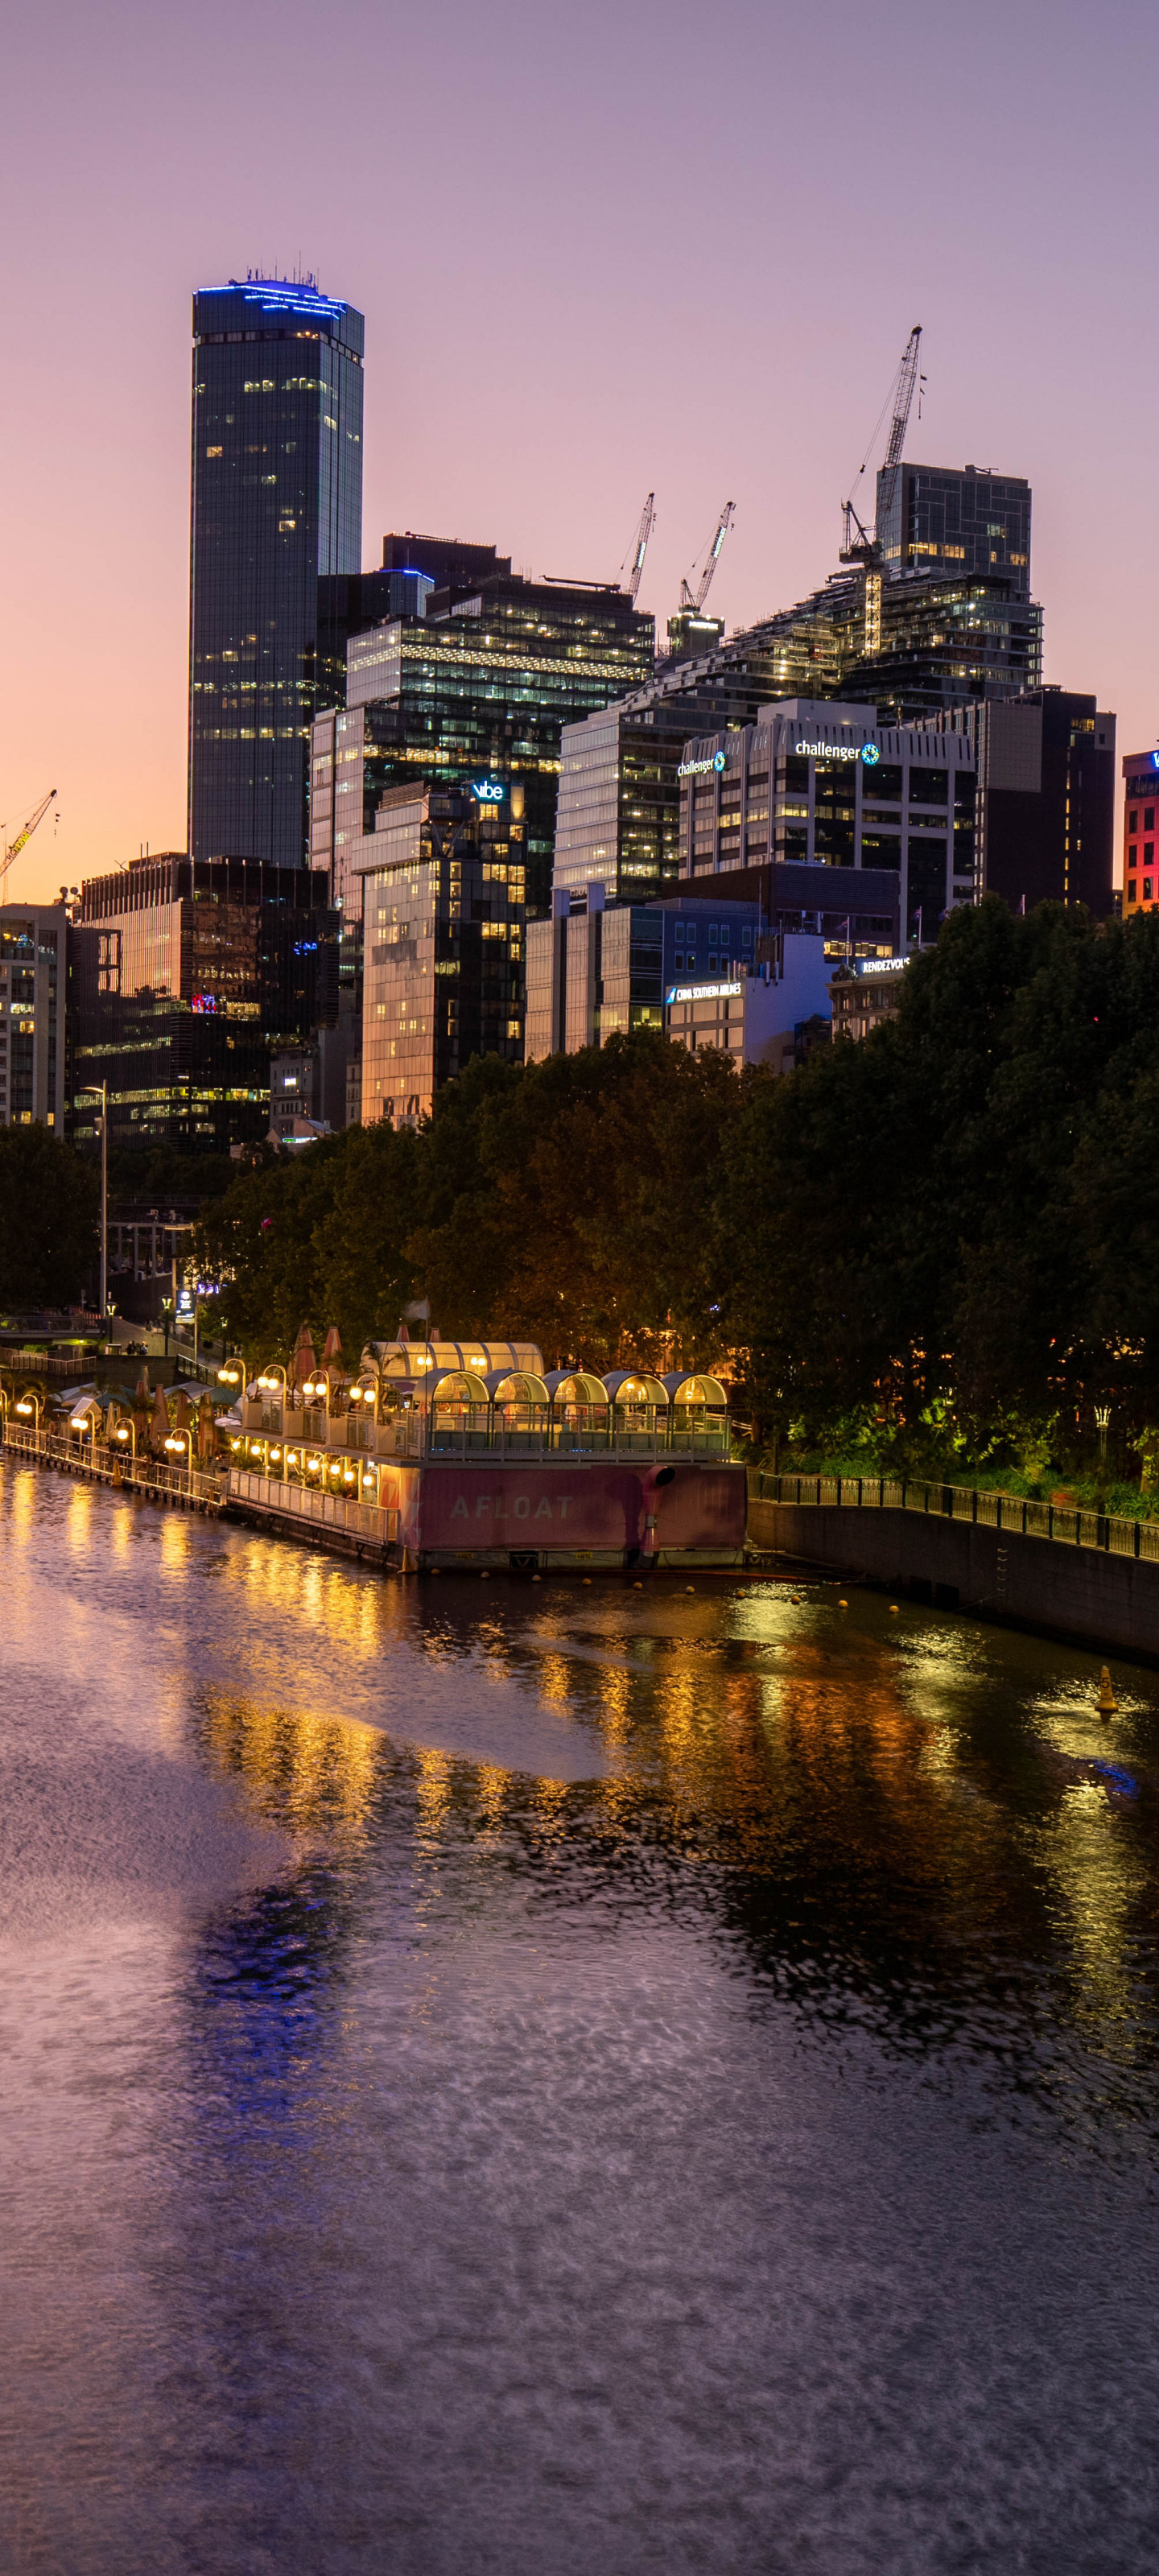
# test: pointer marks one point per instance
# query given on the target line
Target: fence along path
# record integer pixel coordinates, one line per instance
(1113, 1533)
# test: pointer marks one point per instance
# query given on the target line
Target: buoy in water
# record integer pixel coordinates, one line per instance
(843, 1605)
(1107, 1700)
(893, 1609)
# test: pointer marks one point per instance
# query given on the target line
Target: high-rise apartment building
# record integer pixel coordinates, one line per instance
(185, 975)
(276, 506)
(956, 519)
(33, 987)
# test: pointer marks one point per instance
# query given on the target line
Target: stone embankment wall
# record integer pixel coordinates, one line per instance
(1075, 1592)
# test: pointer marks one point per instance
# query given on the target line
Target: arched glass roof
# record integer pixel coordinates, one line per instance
(458, 1386)
(520, 1386)
(695, 1390)
(418, 1359)
(632, 1386)
(575, 1386)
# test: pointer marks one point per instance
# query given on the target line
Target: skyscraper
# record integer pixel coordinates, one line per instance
(276, 506)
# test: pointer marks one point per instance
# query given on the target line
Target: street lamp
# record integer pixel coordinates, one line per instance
(31, 1403)
(100, 1091)
(178, 1443)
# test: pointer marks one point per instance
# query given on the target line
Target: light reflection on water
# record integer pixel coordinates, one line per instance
(572, 2078)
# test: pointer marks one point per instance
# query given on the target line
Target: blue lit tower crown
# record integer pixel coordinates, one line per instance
(277, 502)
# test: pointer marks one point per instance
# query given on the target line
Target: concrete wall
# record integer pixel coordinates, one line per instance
(1079, 1592)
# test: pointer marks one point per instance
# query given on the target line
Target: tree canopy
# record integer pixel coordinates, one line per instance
(48, 1220)
(958, 1216)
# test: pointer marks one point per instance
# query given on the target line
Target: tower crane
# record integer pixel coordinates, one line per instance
(14, 847)
(689, 631)
(643, 532)
(695, 599)
(865, 548)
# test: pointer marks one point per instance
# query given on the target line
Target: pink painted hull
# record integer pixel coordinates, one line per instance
(576, 1511)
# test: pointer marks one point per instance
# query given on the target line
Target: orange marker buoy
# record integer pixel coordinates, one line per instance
(843, 1605)
(1107, 1700)
(893, 1609)
(795, 1599)
(690, 1587)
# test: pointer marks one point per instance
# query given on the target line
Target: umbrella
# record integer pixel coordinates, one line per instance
(206, 1431)
(143, 1382)
(183, 1414)
(159, 1424)
(302, 1363)
(333, 1349)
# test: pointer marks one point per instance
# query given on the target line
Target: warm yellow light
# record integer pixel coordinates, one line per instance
(122, 1435)
(291, 1457)
(275, 1453)
(270, 1384)
(314, 1464)
(235, 1444)
(24, 1405)
(368, 1478)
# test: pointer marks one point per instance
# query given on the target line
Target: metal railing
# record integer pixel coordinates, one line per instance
(303, 1502)
(1067, 1524)
(69, 1365)
(111, 1466)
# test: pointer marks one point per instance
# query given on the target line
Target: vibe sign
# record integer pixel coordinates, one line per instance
(866, 751)
(489, 791)
(693, 768)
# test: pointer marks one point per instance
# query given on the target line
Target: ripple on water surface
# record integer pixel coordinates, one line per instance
(518, 2078)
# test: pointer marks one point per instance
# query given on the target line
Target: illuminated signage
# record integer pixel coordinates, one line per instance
(880, 966)
(1155, 760)
(693, 768)
(700, 992)
(866, 751)
(203, 1002)
(489, 791)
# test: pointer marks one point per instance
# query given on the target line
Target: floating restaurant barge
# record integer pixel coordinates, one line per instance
(447, 1454)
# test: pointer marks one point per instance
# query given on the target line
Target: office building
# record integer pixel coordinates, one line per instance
(412, 567)
(594, 969)
(920, 638)
(863, 832)
(443, 909)
(476, 690)
(1046, 801)
(1140, 804)
(276, 505)
(185, 975)
(765, 1011)
(308, 1080)
(33, 993)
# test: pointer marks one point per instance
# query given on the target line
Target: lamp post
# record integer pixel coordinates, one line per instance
(177, 1443)
(31, 1402)
(100, 1091)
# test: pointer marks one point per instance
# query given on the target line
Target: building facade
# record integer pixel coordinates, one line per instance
(760, 1011)
(863, 991)
(1140, 805)
(595, 970)
(443, 913)
(813, 786)
(476, 690)
(33, 997)
(1046, 801)
(956, 520)
(276, 505)
(184, 976)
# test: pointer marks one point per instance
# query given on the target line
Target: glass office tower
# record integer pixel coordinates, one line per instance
(276, 505)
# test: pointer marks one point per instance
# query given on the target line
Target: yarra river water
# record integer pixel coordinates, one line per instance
(543, 2080)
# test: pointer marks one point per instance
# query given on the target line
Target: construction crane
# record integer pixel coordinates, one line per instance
(690, 632)
(865, 548)
(695, 599)
(643, 532)
(14, 847)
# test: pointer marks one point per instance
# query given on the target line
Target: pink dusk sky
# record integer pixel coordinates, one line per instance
(600, 250)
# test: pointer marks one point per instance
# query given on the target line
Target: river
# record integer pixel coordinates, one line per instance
(509, 2079)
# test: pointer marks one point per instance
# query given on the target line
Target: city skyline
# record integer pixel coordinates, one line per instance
(528, 376)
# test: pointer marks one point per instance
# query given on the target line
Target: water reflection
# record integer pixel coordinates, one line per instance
(575, 2059)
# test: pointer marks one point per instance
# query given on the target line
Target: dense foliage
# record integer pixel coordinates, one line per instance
(954, 1225)
(571, 1202)
(958, 1221)
(48, 1221)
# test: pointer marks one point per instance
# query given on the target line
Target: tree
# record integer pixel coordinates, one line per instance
(48, 1220)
